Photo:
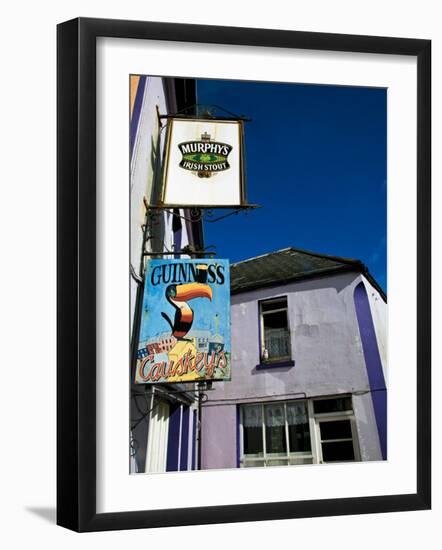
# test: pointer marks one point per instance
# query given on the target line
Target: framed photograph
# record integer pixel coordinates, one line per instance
(243, 274)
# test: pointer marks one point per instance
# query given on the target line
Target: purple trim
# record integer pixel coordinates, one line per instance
(176, 221)
(275, 365)
(173, 440)
(184, 439)
(194, 440)
(136, 111)
(238, 432)
(373, 363)
(259, 330)
(177, 240)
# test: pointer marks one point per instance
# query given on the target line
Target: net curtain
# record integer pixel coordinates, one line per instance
(274, 415)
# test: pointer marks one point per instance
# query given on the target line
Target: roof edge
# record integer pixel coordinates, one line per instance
(319, 274)
(348, 264)
(352, 261)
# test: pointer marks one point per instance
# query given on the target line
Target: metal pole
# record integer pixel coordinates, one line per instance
(199, 426)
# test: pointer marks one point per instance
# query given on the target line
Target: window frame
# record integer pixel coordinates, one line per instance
(329, 417)
(314, 420)
(264, 457)
(278, 360)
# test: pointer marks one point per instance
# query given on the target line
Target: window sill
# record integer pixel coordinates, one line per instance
(276, 364)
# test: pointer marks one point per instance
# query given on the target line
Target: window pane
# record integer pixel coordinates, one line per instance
(275, 428)
(252, 416)
(275, 320)
(276, 334)
(252, 429)
(274, 304)
(338, 452)
(253, 441)
(299, 438)
(275, 440)
(332, 405)
(277, 343)
(299, 432)
(337, 429)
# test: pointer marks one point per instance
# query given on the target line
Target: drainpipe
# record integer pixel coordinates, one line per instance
(199, 427)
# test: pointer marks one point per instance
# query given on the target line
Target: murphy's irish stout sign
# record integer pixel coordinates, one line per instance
(203, 163)
(185, 325)
(205, 157)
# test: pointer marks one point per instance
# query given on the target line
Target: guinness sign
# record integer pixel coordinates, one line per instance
(185, 330)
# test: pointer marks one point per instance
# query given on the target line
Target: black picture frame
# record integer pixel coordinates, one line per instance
(76, 274)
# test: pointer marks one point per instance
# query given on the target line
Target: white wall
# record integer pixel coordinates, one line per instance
(145, 153)
(148, 145)
(27, 459)
(145, 171)
(379, 312)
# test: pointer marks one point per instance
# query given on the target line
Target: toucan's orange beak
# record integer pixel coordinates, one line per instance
(189, 291)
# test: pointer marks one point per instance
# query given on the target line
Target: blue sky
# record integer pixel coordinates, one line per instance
(316, 163)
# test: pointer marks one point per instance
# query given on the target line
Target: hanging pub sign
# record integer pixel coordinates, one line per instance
(185, 324)
(203, 163)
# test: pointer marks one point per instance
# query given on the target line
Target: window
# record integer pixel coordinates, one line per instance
(275, 333)
(275, 434)
(332, 405)
(283, 433)
(336, 430)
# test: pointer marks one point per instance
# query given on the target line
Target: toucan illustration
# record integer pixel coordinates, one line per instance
(178, 296)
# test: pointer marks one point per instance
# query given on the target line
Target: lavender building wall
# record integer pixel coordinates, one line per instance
(328, 355)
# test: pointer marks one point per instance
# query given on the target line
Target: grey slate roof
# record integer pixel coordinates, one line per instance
(287, 265)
